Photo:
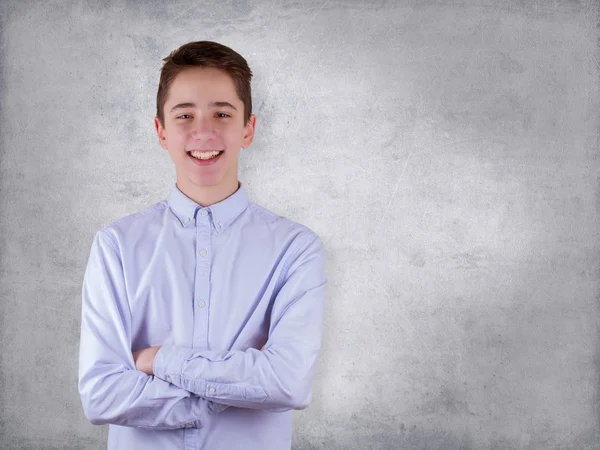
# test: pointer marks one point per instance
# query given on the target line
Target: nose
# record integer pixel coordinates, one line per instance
(203, 128)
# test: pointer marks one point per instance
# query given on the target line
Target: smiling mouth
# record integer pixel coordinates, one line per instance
(205, 155)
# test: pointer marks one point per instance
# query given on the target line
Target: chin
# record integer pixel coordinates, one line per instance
(206, 183)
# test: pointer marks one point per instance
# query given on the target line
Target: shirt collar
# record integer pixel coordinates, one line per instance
(223, 212)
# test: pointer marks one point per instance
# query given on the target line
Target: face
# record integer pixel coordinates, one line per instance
(203, 113)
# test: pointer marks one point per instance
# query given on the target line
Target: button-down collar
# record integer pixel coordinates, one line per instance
(223, 213)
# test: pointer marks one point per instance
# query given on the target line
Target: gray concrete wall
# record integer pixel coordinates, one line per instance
(446, 152)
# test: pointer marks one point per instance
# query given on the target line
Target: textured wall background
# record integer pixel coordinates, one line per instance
(446, 152)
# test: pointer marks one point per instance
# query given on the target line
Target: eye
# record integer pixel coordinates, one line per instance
(223, 115)
(184, 116)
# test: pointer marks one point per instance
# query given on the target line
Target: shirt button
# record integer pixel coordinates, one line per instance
(169, 380)
(203, 252)
(220, 224)
(189, 425)
(187, 220)
(204, 212)
(201, 303)
(212, 390)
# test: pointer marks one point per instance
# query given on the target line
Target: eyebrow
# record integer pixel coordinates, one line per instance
(182, 105)
(221, 105)
(210, 105)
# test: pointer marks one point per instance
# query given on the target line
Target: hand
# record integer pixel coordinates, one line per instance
(144, 359)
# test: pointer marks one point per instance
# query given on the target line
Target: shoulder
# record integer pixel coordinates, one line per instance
(279, 228)
(136, 224)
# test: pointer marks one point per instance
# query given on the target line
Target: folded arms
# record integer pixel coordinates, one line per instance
(189, 383)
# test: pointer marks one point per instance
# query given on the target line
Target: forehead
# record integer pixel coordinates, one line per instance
(204, 83)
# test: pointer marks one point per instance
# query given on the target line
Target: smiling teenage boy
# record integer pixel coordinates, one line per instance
(202, 315)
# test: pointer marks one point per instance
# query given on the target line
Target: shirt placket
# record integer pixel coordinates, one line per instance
(202, 283)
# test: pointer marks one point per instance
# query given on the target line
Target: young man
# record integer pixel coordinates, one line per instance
(202, 315)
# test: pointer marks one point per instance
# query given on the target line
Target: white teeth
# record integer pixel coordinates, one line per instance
(203, 155)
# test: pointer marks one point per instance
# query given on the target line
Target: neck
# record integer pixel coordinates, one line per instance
(208, 195)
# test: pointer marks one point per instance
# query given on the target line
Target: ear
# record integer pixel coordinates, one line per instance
(249, 131)
(161, 132)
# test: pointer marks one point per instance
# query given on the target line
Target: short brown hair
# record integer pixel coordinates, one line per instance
(205, 54)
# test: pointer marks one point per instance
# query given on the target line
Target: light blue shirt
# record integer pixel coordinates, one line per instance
(212, 285)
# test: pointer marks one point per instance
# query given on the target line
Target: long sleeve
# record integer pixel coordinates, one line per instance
(278, 378)
(111, 389)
